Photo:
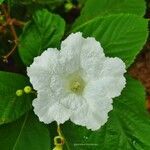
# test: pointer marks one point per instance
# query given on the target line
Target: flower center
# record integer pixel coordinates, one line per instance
(76, 86)
(75, 83)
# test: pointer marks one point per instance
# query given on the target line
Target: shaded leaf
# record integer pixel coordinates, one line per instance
(45, 30)
(1, 1)
(26, 2)
(121, 35)
(11, 106)
(95, 8)
(26, 133)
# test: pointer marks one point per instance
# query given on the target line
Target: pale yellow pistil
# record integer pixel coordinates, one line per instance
(76, 86)
(75, 83)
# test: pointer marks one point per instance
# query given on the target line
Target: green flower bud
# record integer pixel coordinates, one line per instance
(19, 92)
(58, 140)
(68, 6)
(27, 89)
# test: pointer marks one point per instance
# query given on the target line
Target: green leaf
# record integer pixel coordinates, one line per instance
(26, 133)
(26, 2)
(45, 30)
(1, 1)
(128, 126)
(121, 35)
(82, 2)
(11, 106)
(94, 8)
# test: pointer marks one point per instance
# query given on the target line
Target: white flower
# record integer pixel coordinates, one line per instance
(77, 83)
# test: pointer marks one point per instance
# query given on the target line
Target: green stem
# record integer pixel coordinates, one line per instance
(66, 143)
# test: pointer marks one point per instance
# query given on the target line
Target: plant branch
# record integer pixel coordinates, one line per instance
(9, 22)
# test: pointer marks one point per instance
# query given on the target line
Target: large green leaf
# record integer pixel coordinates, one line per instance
(26, 2)
(121, 35)
(128, 126)
(45, 30)
(1, 1)
(26, 133)
(82, 2)
(12, 106)
(94, 8)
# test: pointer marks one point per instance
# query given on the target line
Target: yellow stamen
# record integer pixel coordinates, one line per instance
(76, 86)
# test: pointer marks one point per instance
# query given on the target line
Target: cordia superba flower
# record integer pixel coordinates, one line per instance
(78, 82)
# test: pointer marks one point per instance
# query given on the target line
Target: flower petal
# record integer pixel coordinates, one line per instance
(114, 86)
(97, 118)
(70, 52)
(111, 80)
(92, 57)
(79, 116)
(93, 115)
(82, 53)
(99, 105)
(105, 87)
(48, 113)
(113, 67)
(57, 86)
(72, 101)
(41, 70)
